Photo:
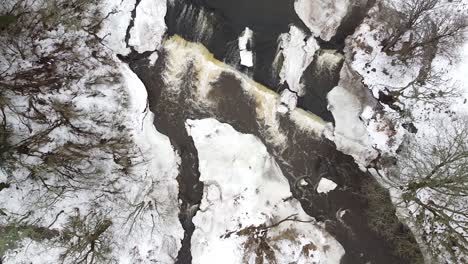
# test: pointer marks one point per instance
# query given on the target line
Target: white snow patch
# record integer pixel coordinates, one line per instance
(375, 66)
(325, 186)
(246, 58)
(461, 77)
(288, 101)
(153, 58)
(29, 250)
(322, 17)
(245, 37)
(149, 25)
(246, 54)
(245, 187)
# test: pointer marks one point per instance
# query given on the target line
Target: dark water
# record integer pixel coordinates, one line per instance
(227, 19)
(224, 20)
(320, 82)
(169, 119)
(304, 155)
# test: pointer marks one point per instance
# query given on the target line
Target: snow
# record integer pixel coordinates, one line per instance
(381, 71)
(245, 38)
(153, 58)
(298, 52)
(115, 26)
(460, 75)
(30, 250)
(151, 235)
(149, 26)
(325, 186)
(158, 184)
(374, 65)
(153, 180)
(246, 58)
(246, 53)
(243, 186)
(288, 101)
(322, 17)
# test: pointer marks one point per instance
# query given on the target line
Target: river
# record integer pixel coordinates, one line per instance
(217, 25)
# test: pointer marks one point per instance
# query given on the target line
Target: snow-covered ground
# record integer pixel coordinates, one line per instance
(381, 72)
(147, 31)
(159, 237)
(115, 26)
(460, 76)
(149, 26)
(141, 201)
(244, 188)
(145, 225)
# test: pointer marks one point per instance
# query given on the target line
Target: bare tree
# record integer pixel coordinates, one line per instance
(30, 105)
(425, 27)
(381, 214)
(431, 87)
(86, 239)
(433, 177)
(261, 246)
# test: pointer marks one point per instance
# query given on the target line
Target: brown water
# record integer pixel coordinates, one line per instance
(224, 20)
(304, 155)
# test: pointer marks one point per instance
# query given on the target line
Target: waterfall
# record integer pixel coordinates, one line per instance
(193, 22)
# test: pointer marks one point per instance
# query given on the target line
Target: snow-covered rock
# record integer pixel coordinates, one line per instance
(246, 58)
(322, 17)
(298, 51)
(325, 185)
(244, 187)
(245, 38)
(246, 54)
(347, 102)
(149, 25)
(288, 101)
